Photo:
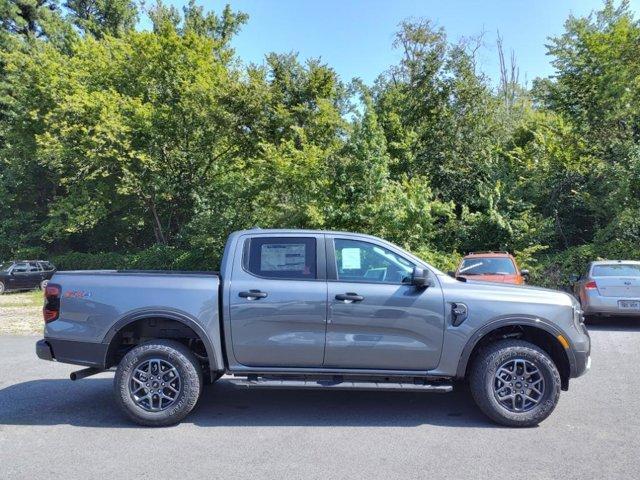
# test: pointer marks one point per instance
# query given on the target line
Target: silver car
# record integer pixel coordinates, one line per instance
(610, 288)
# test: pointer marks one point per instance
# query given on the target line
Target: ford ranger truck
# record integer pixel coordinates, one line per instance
(316, 310)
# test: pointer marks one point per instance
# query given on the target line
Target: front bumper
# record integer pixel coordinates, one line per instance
(78, 353)
(582, 363)
(580, 351)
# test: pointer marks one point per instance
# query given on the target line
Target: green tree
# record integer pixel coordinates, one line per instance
(438, 114)
(103, 17)
(596, 89)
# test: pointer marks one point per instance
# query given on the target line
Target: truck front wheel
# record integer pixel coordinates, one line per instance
(158, 383)
(515, 383)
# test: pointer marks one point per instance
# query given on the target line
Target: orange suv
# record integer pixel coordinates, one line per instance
(498, 267)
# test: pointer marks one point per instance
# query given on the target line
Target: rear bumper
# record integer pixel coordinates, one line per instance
(607, 306)
(78, 353)
(43, 350)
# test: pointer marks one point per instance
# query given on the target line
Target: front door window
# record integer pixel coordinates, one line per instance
(358, 261)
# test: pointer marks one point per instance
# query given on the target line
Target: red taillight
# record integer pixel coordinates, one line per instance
(52, 290)
(592, 285)
(51, 309)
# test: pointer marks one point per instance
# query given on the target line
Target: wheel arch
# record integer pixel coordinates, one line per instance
(533, 329)
(182, 318)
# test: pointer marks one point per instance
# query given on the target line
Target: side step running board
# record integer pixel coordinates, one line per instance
(341, 385)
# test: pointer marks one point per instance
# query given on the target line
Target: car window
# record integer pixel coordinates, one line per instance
(20, 268)
(487, 266)
(619, 270)
(291, 258)
(360, 261)
(46, 266)
(34, 267)
(5, 266)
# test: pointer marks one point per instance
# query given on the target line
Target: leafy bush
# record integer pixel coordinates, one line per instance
(554, 270)
(154, 258)
(90, 261)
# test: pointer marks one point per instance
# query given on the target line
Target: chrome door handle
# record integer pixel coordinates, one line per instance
(253, 295)
(349, 297)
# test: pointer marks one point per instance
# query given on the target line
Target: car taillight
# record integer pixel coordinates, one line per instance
(51, 309)
(592, 285)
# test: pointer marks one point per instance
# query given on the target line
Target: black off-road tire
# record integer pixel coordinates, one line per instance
(190, 382)
(482, 379)
(2, 288)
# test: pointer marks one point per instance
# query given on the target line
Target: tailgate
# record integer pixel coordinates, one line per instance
(625, 287)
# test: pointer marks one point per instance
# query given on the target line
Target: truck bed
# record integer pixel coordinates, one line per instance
(96, 303)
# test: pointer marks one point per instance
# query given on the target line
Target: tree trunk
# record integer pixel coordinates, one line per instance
(157, 224)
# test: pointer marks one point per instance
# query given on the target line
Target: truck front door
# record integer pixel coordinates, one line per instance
(377, 319)
(278, 300)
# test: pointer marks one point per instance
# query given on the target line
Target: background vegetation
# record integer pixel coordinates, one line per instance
(129, 148)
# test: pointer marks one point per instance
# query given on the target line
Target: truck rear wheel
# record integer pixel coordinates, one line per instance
(515, 383)
(158, 383)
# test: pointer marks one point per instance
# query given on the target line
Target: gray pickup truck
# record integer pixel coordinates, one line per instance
(316, 310)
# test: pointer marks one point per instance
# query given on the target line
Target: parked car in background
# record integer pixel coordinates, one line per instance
(25, 275)
(498, 267)
(609, 288)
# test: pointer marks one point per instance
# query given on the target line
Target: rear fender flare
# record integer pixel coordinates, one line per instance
(168, 314)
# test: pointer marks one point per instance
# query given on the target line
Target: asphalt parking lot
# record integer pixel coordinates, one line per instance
(51, 427)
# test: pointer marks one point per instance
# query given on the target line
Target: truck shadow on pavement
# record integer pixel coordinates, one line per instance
(90, 403)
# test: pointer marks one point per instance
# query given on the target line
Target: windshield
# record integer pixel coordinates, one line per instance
(619, 270)
(487, 266)
(5, 265)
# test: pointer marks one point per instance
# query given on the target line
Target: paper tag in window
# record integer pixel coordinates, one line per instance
(351, 259)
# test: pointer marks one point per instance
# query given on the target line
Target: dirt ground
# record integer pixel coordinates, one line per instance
(21, 313)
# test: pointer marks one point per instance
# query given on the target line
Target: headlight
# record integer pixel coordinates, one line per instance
(578, 318)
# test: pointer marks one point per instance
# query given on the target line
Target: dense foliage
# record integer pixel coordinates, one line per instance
(129, 148)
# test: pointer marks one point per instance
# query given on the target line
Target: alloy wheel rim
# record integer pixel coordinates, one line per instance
(155, 385)
(518, 385)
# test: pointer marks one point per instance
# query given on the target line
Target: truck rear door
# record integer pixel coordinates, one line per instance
(278, 300)
(376, 318)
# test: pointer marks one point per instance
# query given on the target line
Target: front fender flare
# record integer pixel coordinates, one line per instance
(496, 323)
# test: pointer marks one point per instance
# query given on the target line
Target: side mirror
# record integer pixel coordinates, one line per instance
(574, 277)
(525, 273)
(419, 278)
(451, 273)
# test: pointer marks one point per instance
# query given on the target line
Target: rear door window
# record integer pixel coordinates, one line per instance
(292, 258)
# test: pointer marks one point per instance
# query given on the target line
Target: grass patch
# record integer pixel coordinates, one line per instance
(21, 313)
(32, 298)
